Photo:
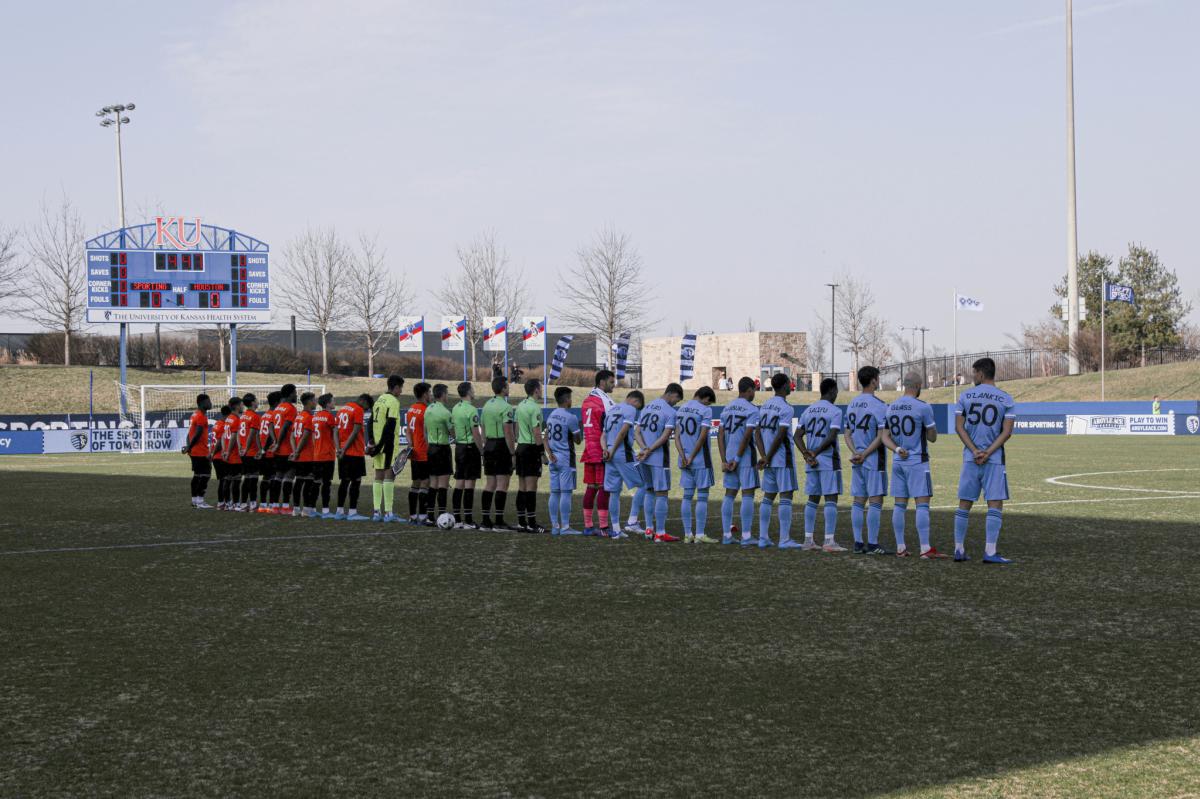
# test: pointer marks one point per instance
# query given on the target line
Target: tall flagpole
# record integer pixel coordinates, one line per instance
(1072, 224)
(545, 373)
(954, 376)
(1103, 331)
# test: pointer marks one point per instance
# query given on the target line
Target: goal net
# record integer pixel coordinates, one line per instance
(161, 412)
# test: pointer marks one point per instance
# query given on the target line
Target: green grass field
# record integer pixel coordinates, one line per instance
(149, 649)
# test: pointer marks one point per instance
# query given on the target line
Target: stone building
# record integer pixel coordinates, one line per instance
(757, 355)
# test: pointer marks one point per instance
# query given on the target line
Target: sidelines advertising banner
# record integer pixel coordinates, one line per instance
(1122, 424)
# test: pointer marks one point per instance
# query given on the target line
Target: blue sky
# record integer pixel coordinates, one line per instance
(751, 150)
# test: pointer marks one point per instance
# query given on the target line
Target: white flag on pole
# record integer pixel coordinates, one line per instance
(964, 303)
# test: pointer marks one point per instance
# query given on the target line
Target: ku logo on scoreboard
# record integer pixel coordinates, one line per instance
(179, 240)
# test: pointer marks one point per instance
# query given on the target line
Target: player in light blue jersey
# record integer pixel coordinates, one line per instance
(734, 440)
(563, 432)
(909, 431)
(656, 425)
(774, 440)
(816, 437)
(984, 419)
(693, 428)
(623, 468)
(866, 415)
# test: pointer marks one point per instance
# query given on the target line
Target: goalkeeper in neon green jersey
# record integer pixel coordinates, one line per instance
(385, 426)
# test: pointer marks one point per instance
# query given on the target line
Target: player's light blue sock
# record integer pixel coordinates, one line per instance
(923, 524)
(785, 519)
(898, 524)
(830, 520)
(648, 501)
(747, 514)
(995, 518)
(856, 522)
(638, 506)
(660, 513)
(614, 510)
(564, 510)
(810, 519)
(764, 519)
(552, 507)
(961, 519)
(726, 515)
(685, 510)
(701, 510)
(874, 514)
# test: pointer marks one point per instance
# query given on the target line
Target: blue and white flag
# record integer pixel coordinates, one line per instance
(620, 349)
(560, 356)
(1115, 292)
(964, 303)
(687, 357)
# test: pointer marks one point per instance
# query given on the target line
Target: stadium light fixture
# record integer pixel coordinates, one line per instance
(115, 116)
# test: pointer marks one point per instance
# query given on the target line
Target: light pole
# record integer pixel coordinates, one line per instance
(924, 368)
(113, 116)
(832, 331)
(1072, 224)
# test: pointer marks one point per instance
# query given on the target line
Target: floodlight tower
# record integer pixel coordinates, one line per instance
(1072, 223)
(113, 116)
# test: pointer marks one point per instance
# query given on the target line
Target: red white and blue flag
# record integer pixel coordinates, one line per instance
(454, 333)
(412, 334)
(533, 333)
(495, 333)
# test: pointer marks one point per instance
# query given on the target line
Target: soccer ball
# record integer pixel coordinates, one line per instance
(445, 521)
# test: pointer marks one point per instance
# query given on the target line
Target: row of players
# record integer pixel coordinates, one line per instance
(755, 445)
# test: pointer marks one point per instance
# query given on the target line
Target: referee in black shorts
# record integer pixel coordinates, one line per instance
(468, 456)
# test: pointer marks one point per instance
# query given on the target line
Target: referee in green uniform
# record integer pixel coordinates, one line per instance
(498, 447)
(468, 456)
(437, 436)
(529, 456)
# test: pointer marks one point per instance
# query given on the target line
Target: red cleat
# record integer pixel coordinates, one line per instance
(933, 554)
(665, 538)
(902, 553)
(649, 534)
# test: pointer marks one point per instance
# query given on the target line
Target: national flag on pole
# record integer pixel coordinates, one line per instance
(412, 333)
(1114, 292)
(621, 353)
(964, 303)
(560, 356)
(687, 357)
(533, 333)
(454, 333)
(495, 333)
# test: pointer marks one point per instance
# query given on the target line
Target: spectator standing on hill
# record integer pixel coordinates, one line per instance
(1156, 406)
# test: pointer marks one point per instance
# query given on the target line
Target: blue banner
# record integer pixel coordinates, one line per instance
(621, 353)
(560, 356)
(687, 357)
(1115, 292)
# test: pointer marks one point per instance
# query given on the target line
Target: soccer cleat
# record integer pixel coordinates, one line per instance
(933, 554)
(618, 535)
(356, 517)
(649, 534)
(875, 549)
(665, 538)
(860, 548)
(340, 515)
(390, 517)
(331, 515)
(833, 546)
(704, 539)
(312, 514)
(961, 557)
(589, 531)
(729, 539)
(202, 505)
(261, 509)
(902, 553)
(809, 545)
(535, 528)
(747, 542)
(376, 516)
(467, 526)
(765, 543)
(997, 558)
(633, 529)
(567, 531)
(790, 543)
(297, 513)
(687, 538)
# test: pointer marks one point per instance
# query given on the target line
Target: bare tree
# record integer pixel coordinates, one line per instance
(860, 329)
(313, 263)
(487, 284)
(817, 344)
(375, 297)
(55, 293)
(9, 266)
(606, 292)
(906, 347)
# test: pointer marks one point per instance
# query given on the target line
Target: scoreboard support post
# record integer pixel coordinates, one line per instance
(233, 353)
(123, 360)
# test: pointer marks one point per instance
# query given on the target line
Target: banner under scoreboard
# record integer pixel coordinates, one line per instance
(177, 270)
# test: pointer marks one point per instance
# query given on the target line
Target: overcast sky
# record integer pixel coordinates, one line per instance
(751, 150)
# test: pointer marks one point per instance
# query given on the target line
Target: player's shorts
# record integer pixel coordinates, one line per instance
(990, 479)
(911, 479)
(201, 465)
(256, 467)
(352, 467)
(283, 466)
(221, 469)
(562, 478)
(593, 474)
(529, 460)
(867, 482)
(439, 461)
(823, 482)
(468, 463)
(384, 456)
(743, 478)
(322, 470)
(497, 460)
(303, 469)
(696, 477)
(418, 470)
(618, 473)
(656, 478)
(233, 469)
(779, 479)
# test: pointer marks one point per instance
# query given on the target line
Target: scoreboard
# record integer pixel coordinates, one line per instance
(179, 285)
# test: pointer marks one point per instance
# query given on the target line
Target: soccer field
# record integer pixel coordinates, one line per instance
(150, 649)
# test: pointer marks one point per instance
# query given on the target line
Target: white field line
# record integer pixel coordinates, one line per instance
(195, 543)
(1061, 480)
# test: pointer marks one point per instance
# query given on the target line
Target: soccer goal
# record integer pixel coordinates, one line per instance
(156, 410)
